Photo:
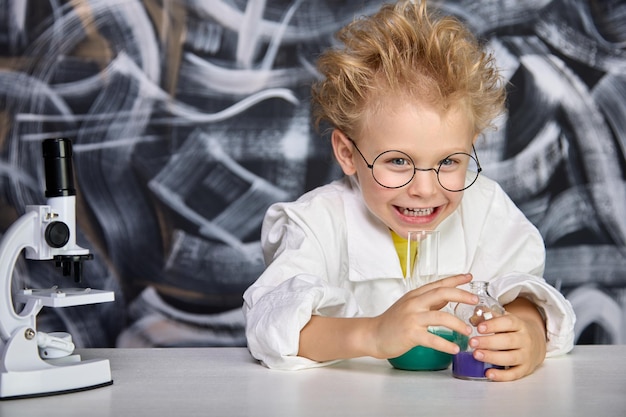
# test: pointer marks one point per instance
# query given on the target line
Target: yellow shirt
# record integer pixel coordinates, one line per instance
(401, 245)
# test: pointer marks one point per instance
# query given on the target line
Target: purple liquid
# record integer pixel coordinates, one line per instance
(464, 366)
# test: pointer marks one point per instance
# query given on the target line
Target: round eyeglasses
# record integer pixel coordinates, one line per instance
(395, 169)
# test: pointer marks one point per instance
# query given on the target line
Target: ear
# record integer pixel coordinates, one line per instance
(344, 152)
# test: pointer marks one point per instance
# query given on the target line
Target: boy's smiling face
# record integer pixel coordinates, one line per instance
(427, 136)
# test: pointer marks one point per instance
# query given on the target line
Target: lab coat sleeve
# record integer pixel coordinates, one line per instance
(557, 310)
(516, 252)
(274, 321)
(294, 286)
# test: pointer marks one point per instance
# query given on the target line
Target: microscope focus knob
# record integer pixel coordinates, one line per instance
(57, 234)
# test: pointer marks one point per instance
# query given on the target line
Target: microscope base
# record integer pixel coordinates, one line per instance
(60, 379)
(24, 374)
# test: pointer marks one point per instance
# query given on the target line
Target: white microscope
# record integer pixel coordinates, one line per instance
(34, 363)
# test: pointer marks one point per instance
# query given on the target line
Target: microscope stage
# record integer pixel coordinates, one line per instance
(65, 297)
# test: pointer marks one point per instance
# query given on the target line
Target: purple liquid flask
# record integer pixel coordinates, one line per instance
(464, 366)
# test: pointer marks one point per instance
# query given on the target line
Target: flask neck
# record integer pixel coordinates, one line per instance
(479, 287)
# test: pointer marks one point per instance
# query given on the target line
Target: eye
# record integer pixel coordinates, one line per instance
(449, 163)
(399, 162)
(394, 160)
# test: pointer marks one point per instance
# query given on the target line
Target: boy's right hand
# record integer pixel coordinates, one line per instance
(405, 324)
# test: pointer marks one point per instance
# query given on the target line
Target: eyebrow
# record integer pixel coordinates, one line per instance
(410, 154)
(442, 154)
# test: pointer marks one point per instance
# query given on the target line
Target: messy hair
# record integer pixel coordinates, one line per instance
(406, 50)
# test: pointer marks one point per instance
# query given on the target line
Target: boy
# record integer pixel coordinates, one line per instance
(407, 96)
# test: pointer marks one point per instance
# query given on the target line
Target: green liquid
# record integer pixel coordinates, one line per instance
(422, 358)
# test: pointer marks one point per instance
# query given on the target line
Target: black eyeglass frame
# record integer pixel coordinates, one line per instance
(415, 169)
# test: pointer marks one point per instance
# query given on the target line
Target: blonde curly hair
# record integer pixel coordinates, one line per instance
(405, 50)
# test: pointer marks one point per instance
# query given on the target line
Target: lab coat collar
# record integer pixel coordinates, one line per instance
(372, 254)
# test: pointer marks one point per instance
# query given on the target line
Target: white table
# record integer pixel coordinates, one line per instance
(590, 381)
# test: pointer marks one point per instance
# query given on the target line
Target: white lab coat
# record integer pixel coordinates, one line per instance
(326, 254)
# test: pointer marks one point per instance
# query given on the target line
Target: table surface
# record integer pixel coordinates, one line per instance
(590, 381)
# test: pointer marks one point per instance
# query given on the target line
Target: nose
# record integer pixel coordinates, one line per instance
(424, 183)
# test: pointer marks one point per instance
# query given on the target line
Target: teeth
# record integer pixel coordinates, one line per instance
(418, 211)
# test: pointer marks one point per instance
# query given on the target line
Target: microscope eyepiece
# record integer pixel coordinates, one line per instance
(57, 155)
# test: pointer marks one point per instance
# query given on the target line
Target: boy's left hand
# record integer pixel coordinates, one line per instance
(516, 340)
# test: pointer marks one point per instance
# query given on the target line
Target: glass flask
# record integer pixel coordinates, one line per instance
(464, 366)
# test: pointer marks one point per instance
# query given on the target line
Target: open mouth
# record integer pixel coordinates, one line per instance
(416, 212)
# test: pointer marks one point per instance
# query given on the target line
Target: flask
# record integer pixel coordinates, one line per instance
(464, 366)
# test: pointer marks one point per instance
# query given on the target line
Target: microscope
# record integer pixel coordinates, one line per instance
(34, 363)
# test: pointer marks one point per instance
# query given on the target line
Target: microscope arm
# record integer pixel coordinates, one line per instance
(20, 235)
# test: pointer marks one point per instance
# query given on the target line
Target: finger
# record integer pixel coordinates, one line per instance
(447, 326)
(509, 374)
(499, 357)
(453, 281)
(439, 343)
(436, 298)
(501, 324)
(498, 342)
(450, 282)
(497, 372)
(512, 362)
(446, 320)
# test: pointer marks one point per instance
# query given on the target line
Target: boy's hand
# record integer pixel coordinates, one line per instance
(405, 324)
(518, 342)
